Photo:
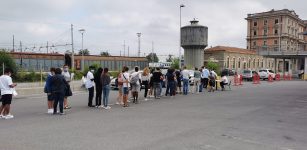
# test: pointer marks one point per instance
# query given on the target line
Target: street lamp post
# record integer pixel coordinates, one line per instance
(181, 6)
(82, 50)
(139, 44)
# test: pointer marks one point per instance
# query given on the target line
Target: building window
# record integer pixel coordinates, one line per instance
(265, 22)
(262, 63)
(239, 63)
(233, 63)
(249, 63)
(275, 42)
(255, 33)
(276, 21)
(276, 31)
(265, 32)
(255, 23)
(258, 63)
(227, 62)
(254, 63)
(264, 43)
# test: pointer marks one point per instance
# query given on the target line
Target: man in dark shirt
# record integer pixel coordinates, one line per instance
(157, 77)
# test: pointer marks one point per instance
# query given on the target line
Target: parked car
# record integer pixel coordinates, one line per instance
(228, 72)
(264, 74)
(248, 74)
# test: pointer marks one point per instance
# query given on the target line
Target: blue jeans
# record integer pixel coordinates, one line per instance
(185, 86)
(106, 92)
(170, 88)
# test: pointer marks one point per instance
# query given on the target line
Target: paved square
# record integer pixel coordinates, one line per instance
(269, 116)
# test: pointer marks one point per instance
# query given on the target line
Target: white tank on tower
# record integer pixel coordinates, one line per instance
(194, 39)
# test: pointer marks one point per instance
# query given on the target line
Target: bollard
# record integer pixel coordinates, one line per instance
(277, 77)
(270, 78)
(235, 80)
(241, 80)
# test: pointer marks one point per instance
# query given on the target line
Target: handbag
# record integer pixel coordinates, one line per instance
(68, 91)
(14, 92)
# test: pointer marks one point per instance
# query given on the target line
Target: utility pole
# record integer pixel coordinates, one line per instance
(72, 48)
(152, 51)
(139, 41)
(47, 47)
(20, 55)
(128, 51)
(13, 43)
(124, 48)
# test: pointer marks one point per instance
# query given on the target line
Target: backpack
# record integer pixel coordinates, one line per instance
(134, 79)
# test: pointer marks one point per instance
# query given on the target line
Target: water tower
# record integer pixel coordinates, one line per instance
(194, 39)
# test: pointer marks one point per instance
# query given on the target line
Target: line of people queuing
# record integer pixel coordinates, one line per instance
(58, 88)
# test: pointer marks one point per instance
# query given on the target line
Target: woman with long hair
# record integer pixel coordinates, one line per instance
(145, 81)
(120, 88)
(98, 87)
(105, 82)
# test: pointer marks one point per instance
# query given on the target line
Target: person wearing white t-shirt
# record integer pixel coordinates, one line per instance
(89, 84)
(185, 78)
(126, 85)
(135, 82)
(224, 81)
(6, 87)
(67, 77)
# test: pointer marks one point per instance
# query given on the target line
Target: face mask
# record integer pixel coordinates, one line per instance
(92, 71)
(65, 69)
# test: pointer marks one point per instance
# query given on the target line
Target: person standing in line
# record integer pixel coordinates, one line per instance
(135, 82)
(48, 91)
(67, 77)
(120, 88)
(126, 85)
(6, 85)
(185, 78)
(58, 90)
(145, 81)
(151, 84)
(179, 84)
(98, 87)
(205, 76)
(157, 77)
(197, 76)
(90, 86)
(105, 82)
(170, 77)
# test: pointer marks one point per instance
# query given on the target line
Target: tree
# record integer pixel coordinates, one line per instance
(212, 66)
(152, 57)
(7, 60)
(84, 52)
(105, 54)
(170, 58)
(175, 63)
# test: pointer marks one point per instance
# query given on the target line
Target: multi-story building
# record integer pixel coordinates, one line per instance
(276, 30)
(277, 34)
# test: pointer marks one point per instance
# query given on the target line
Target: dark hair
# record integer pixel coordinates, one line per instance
(52, 69)
(196, 68)
(8, 70)
(184, 67)
(105, 70)
(58, 71)
(136, 69)
(157, 68)
(99, 71)
(125, 69)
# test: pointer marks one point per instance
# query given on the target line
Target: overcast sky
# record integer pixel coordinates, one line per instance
(108, 23)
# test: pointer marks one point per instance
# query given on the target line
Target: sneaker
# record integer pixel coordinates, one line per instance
(101, 106)
(50, 111)
(67, 107)
(145, 99)
(128, 101)
(9, 116)
(117, 103)
(108, 107)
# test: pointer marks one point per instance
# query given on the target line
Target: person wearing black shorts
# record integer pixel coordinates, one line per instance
(6, 85)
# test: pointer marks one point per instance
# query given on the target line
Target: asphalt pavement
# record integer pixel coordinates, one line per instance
(268, 116)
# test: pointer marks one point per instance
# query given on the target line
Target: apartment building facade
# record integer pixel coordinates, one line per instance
(277, 34)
